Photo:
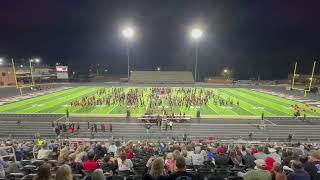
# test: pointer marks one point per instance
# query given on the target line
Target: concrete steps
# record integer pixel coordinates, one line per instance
(135, 130)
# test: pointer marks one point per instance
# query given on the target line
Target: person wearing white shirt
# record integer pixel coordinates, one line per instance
(197, 158)
(112, 149)
(124, 164)
(44, 152)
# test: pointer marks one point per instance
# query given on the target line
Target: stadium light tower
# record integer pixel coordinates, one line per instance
(128, 34)
(35, 60)
(226, 73)
(196, 34)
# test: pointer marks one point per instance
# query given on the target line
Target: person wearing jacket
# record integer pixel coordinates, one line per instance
(299, 173)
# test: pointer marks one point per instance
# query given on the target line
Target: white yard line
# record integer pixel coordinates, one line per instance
(112, 109)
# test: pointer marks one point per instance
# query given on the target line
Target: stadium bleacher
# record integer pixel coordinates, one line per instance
(162, 77)
(20, 159)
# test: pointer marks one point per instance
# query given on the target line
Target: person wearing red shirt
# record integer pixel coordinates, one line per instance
(110, 127)
(71, 128)
(221, 150)
(103, 128)
(269, 163)
(90, 164)
(129, 153)
(149, 149)
(254, 151)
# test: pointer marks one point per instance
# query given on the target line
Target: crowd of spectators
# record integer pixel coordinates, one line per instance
(66, 160)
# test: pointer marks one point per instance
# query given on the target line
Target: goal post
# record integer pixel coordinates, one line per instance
(309, 85)
(14, 73)
(18, 86)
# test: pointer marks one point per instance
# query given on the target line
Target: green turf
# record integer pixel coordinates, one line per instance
(252, 103)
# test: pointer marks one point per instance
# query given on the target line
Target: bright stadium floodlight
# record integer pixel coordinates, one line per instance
(1, 60)
(35, 60)
(196, 34)
(158, 68)
(226, 73)
(128, 34)
(32, 61)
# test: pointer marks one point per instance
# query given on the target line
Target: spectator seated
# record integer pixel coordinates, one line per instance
(147, 160)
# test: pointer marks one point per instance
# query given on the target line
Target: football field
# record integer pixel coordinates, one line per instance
(245, 102)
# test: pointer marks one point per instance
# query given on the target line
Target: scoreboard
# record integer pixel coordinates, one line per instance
(62, 68)
(62, 72)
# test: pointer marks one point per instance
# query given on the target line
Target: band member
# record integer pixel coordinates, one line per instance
(67, 114)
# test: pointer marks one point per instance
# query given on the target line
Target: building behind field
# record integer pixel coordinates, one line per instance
(6, 76)
(162, 77)
(305, 78)
(218, 80)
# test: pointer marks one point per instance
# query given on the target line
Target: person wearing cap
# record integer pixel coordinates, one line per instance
(221, 159)
(313, 165)
(298, 172)
(259, 173)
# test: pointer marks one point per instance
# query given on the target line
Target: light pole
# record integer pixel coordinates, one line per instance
(226, 72)
(128, 34)
(196, 34)
(36, 60)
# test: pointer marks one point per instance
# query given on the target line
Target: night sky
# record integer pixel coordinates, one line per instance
(251, 37)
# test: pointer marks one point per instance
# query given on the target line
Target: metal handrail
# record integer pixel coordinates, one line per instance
(13, 154)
